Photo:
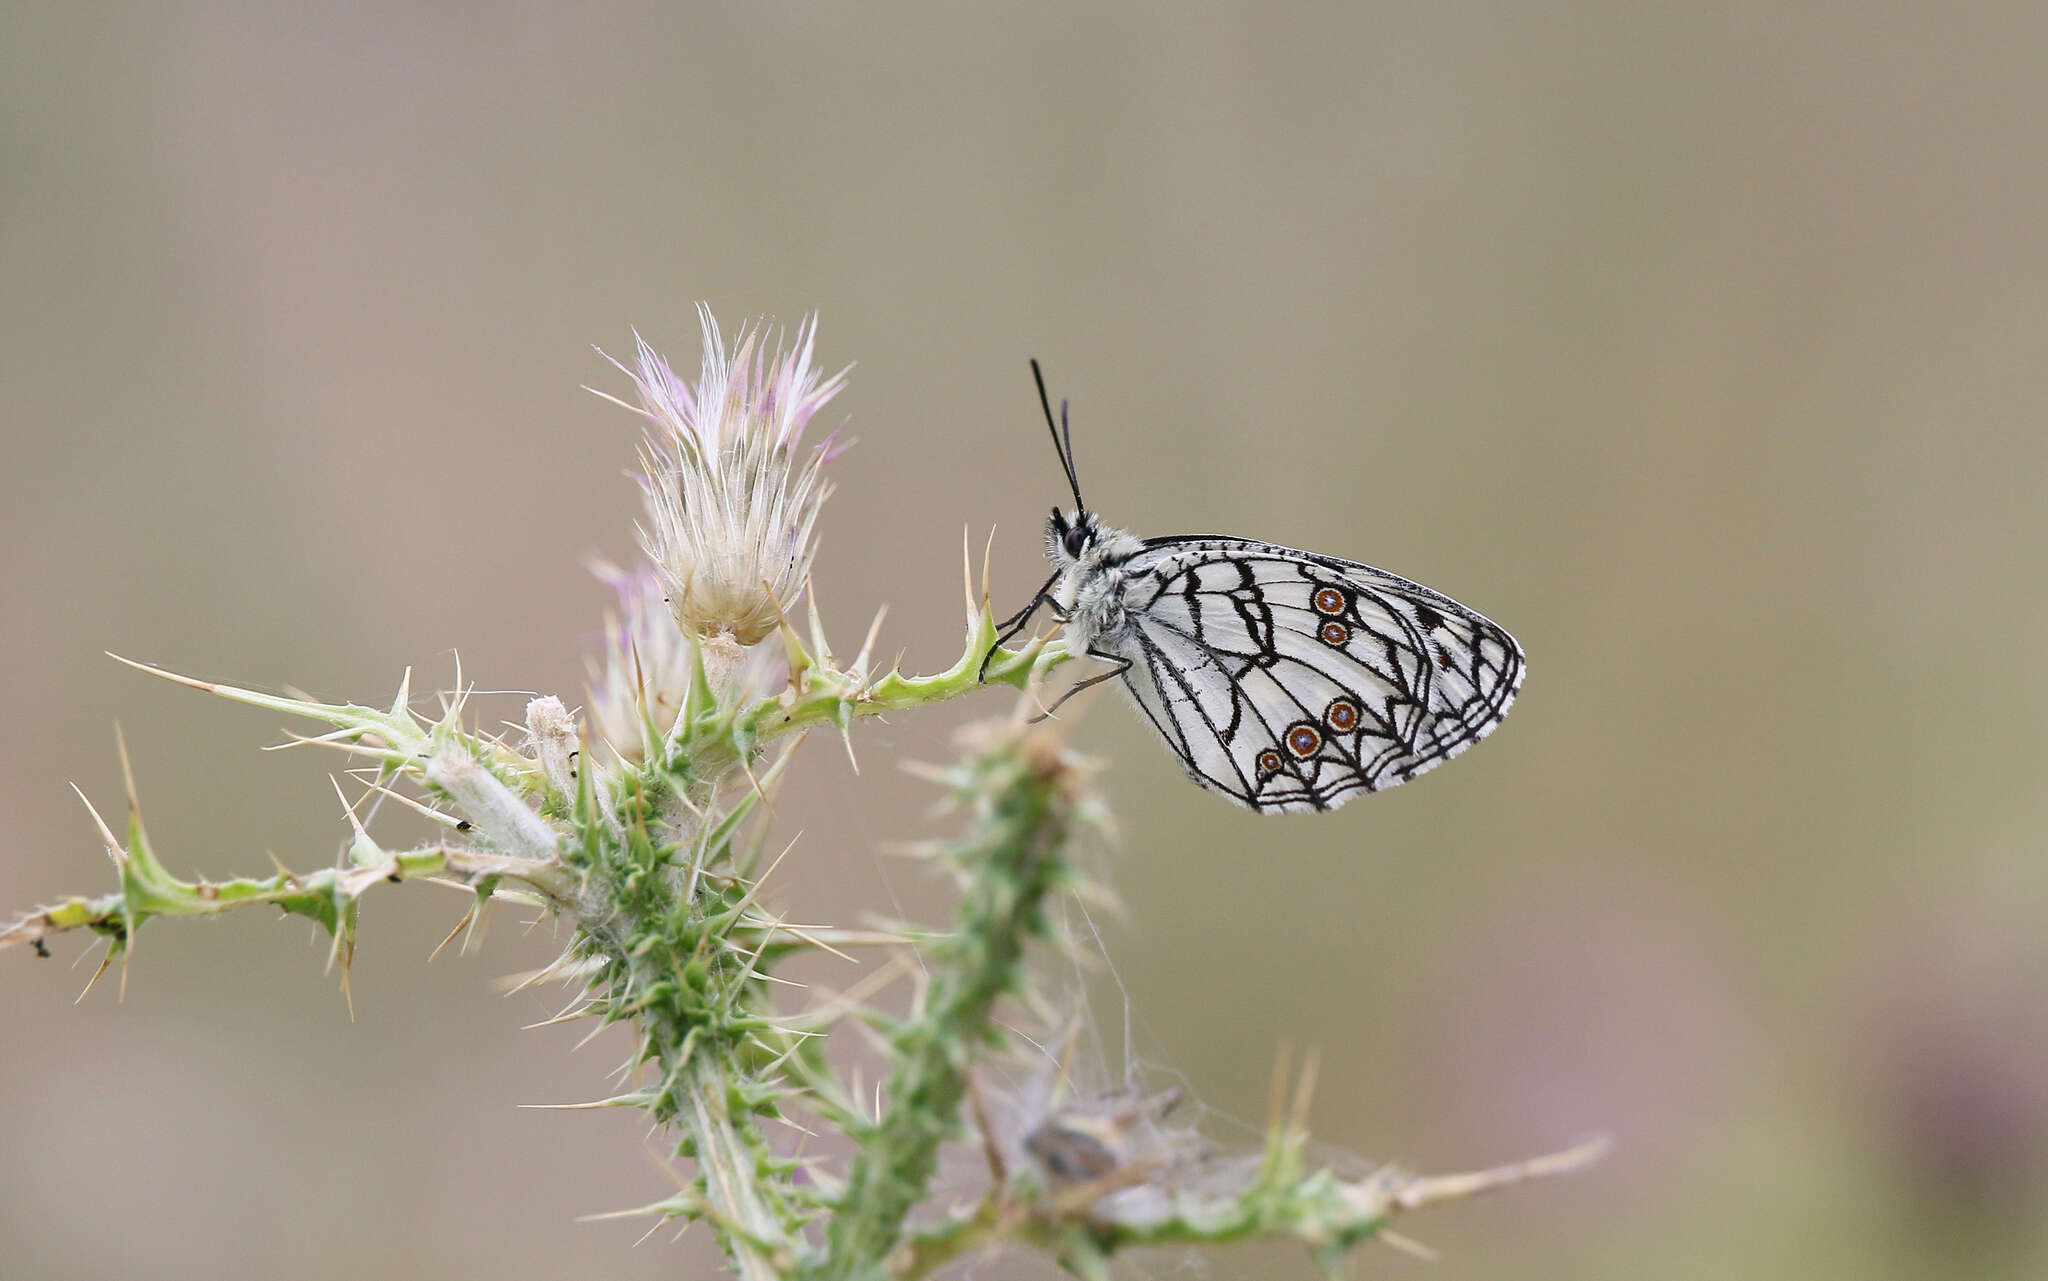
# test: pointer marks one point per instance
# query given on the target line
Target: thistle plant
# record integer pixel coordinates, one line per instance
(642, 824)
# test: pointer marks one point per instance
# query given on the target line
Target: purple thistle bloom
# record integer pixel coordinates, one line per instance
(732, 496)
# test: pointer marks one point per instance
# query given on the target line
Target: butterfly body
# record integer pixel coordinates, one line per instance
(1093, 562)
(1283, 679)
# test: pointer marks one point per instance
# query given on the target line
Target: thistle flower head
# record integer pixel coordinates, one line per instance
(732, 496)
(640, 675)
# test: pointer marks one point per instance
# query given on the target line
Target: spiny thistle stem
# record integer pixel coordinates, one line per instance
(729, 1159)
(1284, 1198)
(1023, 786)
(671, 973)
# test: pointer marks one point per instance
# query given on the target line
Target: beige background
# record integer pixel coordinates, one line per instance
(1699, 344)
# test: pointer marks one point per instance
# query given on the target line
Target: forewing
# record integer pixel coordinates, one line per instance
(1292, 681)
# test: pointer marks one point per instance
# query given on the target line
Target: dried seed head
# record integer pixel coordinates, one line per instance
(1089, 1141)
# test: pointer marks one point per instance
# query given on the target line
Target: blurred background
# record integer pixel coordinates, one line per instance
(1701, 345)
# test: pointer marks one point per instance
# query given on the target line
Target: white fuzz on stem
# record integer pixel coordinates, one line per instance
(492, 808)
(553, 732)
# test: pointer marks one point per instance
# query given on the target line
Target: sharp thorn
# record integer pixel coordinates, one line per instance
(867, 646)
(967, 572)
(105, 961)
(987, 554)
(1311, 1064)
(127, 772)
(459, 927)
(1408, 1246)
(115, 850)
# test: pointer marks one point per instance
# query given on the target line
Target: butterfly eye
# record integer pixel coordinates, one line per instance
(1077, 538)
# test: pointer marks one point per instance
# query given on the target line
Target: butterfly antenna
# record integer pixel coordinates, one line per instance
(1065, 448)
(1067, 434)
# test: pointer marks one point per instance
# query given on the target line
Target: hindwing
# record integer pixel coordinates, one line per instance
(1292, 681)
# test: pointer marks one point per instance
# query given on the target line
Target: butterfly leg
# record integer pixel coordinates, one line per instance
(1016, 622)
(1122, 665)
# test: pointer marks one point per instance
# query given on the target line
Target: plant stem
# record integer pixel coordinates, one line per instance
(1012, 857)
(727, 1164)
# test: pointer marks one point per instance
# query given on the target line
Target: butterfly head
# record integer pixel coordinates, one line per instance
(1068, 537)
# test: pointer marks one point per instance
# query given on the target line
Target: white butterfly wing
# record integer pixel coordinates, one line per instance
(1291, 681)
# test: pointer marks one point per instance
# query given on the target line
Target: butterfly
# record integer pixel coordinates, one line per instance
(1282, 679)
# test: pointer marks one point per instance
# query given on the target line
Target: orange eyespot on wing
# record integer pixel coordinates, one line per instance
(1303, 740)
(1342, 716)
(1328, 600)
(1269, 762)
(1334, 634)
